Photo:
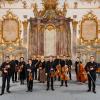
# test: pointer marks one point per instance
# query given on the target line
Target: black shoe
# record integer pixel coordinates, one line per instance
(94, 92)
(88, 90)
(1, 94)
(13, 81)
(27, 91)
(61, 85)
(31, 90)
(23, 83)
(52, 89)
(47, 89)
(66, 85)
(9, 91)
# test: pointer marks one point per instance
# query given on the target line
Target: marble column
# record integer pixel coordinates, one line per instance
(25, 35)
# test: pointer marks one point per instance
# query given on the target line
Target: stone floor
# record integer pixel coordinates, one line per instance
(74, 91)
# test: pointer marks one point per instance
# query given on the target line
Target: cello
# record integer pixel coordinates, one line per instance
(58, 70)
(64, 73)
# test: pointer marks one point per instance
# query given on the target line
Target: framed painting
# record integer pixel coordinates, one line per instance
(89, 27)
(10, 28)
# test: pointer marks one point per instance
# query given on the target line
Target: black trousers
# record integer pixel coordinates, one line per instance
(22, 78)
(59, 78)
(62, 81)
(14, 76)
(4, 79)
(50, 79)
(69, 72)
(91, 82)
(35, 74)
(29, 85)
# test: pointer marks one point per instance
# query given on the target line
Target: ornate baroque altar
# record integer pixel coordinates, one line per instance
(50, 30)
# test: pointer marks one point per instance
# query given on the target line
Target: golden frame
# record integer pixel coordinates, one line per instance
(50, 26)
(10, 16)
(89, 17)
(0, 25)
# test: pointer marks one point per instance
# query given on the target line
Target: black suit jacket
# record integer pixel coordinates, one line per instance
(4, 65)
(28, 66)
(90, 65)
(49, 66)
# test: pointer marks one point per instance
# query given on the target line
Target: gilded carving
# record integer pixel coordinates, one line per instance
(50, 9)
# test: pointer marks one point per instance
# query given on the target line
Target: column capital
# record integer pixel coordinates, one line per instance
(25, 24)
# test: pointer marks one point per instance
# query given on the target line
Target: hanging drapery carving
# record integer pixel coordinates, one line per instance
(40, 40)
(64, 38)
(36, 37)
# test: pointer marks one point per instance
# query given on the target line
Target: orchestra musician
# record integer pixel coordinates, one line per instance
(50, 73)
(69, 64)
(35, 62)
(42, 76)
(91, 68)
(6, 74)
(29, 74)
(22, 70)
(14, 68)
(77, 62)
(58, 67)
(64, 72)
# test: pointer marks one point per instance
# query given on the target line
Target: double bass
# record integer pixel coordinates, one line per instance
(82, 75)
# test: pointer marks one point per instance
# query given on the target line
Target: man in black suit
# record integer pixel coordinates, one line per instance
(69, 64)
(50, 73)
(29, 70)
(57, 62)
(63, 64)
(35, 63)
(14, 69)
(91, 71)
(6, 74)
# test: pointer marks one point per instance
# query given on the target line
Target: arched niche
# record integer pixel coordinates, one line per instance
(50, 40)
